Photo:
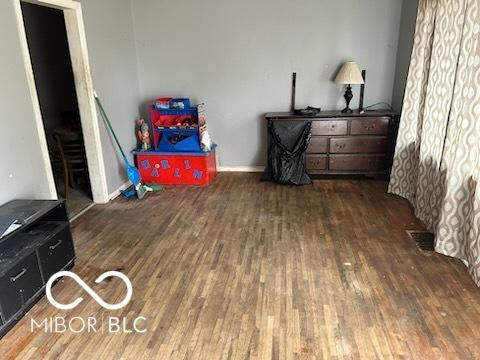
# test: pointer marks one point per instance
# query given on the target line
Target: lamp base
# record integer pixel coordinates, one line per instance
(348, 97)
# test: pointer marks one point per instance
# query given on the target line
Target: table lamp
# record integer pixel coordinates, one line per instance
(349, 74)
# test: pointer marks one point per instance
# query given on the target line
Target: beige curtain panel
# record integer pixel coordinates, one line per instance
(437, 157)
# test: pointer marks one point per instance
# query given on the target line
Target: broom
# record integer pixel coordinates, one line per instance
(132, 172)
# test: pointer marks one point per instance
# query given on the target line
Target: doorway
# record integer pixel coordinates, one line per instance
(55, 85)
(78, 110)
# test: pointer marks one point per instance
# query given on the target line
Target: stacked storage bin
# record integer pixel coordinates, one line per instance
(177, 158)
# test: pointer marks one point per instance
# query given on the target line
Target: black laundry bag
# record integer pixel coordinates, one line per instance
(286, 154)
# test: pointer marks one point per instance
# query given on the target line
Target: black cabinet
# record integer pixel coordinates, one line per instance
(39, 245)
(19, 285)
(53, 253)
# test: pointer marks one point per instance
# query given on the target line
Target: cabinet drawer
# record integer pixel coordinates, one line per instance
(357, 162)
(316, 162)
(370, 126)
(56, 253)
(355, 145)
(19, 284)
(318, 145)
(330, 127)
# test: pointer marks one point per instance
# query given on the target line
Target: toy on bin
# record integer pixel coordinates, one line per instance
(180, 103)
(162, 103)
(187, 122)
(205, 139)
(143, 134)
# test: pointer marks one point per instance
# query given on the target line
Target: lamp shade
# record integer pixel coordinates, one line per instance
(349, 74)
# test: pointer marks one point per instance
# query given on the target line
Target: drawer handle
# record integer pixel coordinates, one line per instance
(370, 127)
(340, 146)
(57, 244)
(18, 276)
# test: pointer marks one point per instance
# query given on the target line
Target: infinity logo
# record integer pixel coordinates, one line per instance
(89, 290)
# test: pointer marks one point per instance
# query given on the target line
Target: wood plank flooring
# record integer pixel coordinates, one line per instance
(251, 270)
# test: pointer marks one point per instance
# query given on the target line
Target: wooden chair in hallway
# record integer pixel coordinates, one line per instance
(72, 154)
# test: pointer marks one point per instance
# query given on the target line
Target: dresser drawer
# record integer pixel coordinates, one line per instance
(18, 285)
(356, 145)
(316, 162)
(56, 253)
(318, 145)
(329, 127)
(369, 126)
(357, 162)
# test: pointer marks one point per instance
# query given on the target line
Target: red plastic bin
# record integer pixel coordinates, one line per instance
(179, 168)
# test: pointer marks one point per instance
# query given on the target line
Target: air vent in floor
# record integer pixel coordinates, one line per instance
(425, 240)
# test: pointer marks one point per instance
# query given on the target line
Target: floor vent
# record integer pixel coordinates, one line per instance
(423, 239)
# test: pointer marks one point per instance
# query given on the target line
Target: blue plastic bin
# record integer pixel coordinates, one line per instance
(190, 140)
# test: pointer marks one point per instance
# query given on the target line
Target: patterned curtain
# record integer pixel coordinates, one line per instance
(437, 157)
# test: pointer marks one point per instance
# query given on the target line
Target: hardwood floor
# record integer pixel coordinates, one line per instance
(251, 270)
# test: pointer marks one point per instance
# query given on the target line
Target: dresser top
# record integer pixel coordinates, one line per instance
(328, 115)
(23, 213)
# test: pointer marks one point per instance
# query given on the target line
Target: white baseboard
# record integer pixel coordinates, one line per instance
(117, 192)
(240, 168)
(82, 212)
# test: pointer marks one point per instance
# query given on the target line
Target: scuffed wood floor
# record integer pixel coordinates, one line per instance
(250, 270)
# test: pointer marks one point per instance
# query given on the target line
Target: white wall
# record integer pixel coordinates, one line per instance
(405, 45)
(238, 57)
(112, 51)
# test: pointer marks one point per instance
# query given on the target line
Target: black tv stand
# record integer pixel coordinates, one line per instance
(36, 246)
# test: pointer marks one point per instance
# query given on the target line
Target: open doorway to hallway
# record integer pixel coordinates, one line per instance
(54, 80)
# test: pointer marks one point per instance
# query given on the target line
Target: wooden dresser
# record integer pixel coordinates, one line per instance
(348, 143)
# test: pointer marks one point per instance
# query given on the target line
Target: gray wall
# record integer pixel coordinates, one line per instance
(405, 44)
(113, 60)
(238, 57)
(22, 172)
(111, 46)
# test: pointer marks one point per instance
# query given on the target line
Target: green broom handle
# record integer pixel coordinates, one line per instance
(105, 117)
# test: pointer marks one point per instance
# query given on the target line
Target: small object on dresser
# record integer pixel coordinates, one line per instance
(309, 110)
(294, 89)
